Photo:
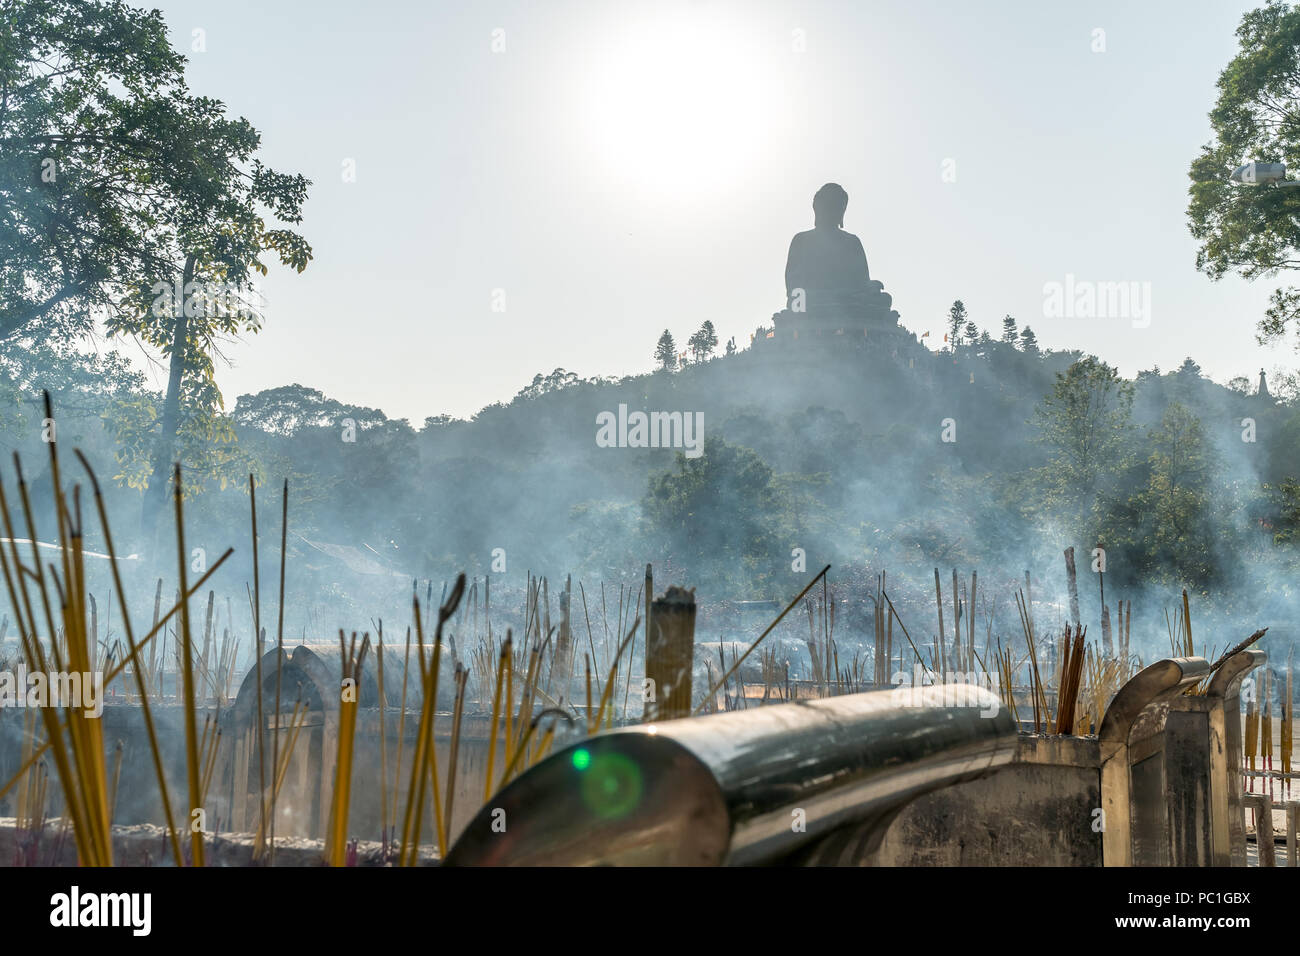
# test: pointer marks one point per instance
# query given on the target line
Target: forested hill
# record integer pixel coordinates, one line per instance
(870, 455)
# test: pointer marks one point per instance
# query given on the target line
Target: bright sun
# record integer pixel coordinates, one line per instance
(678, 105)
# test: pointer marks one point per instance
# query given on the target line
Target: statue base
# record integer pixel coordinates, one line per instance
(790, 326)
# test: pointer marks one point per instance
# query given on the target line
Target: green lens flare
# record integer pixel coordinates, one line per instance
(611, 787)
(581, 758)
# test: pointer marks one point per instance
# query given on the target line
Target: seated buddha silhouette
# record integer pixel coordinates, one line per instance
(826, 273)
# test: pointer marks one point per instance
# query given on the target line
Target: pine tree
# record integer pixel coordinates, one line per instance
(703, 342)
(1009, 330)
(956, 319)
(666, 352)
(1028, 341)
(972, 332)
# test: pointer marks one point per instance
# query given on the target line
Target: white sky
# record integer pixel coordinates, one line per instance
(621, 167)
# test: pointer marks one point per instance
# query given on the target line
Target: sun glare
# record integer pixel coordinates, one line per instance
(677, 105)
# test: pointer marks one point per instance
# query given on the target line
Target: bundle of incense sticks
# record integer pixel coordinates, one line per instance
(1067, 695)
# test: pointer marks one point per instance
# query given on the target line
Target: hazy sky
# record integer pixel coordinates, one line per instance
(623, 167)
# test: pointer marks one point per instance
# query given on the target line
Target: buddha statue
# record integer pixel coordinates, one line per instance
(827, 281)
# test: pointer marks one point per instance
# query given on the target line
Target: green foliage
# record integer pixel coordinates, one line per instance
(717, 515)
(666, 352)
(291, 409)
(544, 385)
(1028, 341)
(1175, 503)
(77, 381)
(605, 533)
(73, 191)
(703, 342)
(98, 400)
(1085, 425)
(133, 423)
(1253, 230)
(124, 196)
(956, 320)
(1287, 495)
(354, 472)
(1284, 452)
(111, 173)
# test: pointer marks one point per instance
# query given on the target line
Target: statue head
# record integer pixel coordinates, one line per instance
(829, 205)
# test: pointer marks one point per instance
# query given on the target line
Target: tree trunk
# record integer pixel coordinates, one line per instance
(155, 497)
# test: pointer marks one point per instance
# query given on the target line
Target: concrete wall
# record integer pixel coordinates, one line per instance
(1037, 811)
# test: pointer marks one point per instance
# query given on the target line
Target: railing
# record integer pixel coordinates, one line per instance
(814, 782)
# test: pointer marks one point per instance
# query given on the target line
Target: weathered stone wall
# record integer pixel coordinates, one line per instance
(1037, 811)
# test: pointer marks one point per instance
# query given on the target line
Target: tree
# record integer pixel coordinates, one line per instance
(956, 319)
(731, 345)
(74, 184)
(122, 193)
(546, 384)
(1253, 230)
(289, 409)
(1084, 423)
(1283, 453)
(101, 392)
(717, 514)
(666, 352)
(972, 332)
(1177, 497)
(1028, 341)
(1009, 330)
(1287, 502)
(89, 381)
(352, 460)
(703, 342)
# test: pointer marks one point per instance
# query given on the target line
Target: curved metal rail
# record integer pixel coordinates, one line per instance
(810, 782)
